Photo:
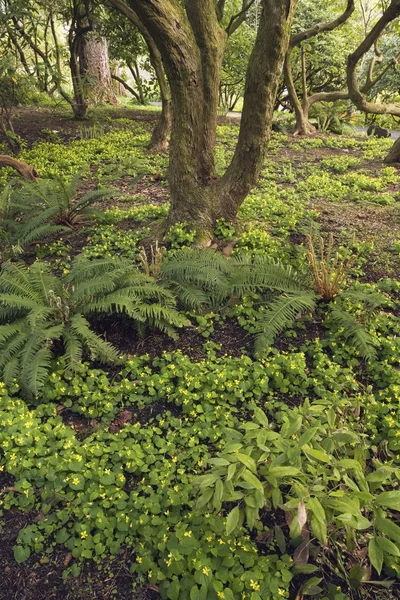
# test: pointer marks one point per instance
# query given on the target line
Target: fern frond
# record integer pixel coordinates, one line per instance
(354, 333)
(261, 272)
(10, 371)
(35, 374)
(370, 298)
(97, 347)
(281, 313)
(73, 349)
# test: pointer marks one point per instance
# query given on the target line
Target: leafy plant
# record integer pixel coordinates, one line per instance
(37, 309)
(18, 229)
(60, 196)
(297, 295)
(262, 468)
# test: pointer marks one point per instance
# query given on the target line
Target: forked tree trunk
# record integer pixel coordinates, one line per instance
(192, 43)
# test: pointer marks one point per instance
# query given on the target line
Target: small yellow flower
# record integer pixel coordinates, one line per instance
(220, 594)
(187, 534)
(206, 571)
(254, 585)
(84, 534)
(139, 559)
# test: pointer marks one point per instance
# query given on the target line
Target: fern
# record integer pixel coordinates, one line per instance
(199, 278)
(354, 332)
(280, 314)
(37, 308)
(261, 273)
(60, 198)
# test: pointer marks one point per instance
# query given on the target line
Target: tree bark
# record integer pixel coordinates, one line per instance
(159, 138)
(96, 69)
(191, 43)
(394, 153)
(26, 171)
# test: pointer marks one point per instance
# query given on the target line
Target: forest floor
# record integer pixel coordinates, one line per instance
(342, 187)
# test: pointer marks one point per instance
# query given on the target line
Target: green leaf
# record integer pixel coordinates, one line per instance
(375, 554)
(247, 461)
(280, 472)
(21, 553)
(261, 417)
(231, 471)
(389, 499)
(205, 497)
(205, 480)
(317, 509)
(388, 546)
(253, 480)
(219, 491)
(232, 520)
(388, 528)
(307, 436)
(317, 454)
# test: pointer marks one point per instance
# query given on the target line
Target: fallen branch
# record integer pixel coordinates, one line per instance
(26, 171)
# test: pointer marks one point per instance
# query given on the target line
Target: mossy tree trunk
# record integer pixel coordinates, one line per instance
(191, 42)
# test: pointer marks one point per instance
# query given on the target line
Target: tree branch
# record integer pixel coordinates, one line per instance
(356, 94)
(126, 86)
(26, 171)
(297, 38)
(237, 20)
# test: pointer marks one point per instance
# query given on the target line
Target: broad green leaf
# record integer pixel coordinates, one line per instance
(375, 554)
(231, 471)
(307, 436)
(317, 454)
(232, 520)
(389, 499)
(247, 461)
(388, 528)
(261, 417)
(21, 553)
(388, 546)
(204, 498)
(317, 509)
(219, 491)
(283, 472)
(253, 480)
(205, 480)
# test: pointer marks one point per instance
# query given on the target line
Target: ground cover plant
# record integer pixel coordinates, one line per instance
(203, 465)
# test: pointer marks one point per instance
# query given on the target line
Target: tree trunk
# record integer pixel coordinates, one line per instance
(301, 110)
(95, 67)
(159, 137)
(191, 42)
(394, 153)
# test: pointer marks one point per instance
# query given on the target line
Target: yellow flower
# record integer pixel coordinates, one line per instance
(281, 592)
(220, 594)
(84, 534)
(139, 559)
(187, 534)
(254, 585)
(206, 571)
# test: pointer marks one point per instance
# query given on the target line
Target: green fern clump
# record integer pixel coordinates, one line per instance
(197, 277)
(37, 309)
(293, 296)
(61, 198)
(19, 228)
